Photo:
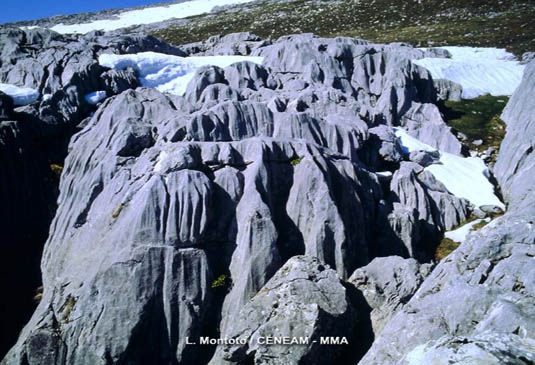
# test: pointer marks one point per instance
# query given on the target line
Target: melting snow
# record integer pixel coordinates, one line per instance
(463, 177)
(459, 235)
(95, 97)
(147, 16)
(20, 95)
(168, 73)
(479, 70)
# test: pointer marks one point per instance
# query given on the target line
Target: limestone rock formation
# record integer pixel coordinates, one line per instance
(183, 216)
(387, 284)
(514, 167)
(484, 285)
(303, 300)
(486, 348)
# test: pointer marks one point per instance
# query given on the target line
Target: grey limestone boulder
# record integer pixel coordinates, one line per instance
(448, 90)
(243, 43)
(304, 299)
(424, 158)
(387, 284)
(424, 122)
(437, 209)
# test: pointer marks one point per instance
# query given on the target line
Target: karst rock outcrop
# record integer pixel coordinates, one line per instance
(264, 199)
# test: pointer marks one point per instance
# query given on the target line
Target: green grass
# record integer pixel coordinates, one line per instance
(445, 247)
(478, 119)
(507, 23)
(295, 162)
(222, 282)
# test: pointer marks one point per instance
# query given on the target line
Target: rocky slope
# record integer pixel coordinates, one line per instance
(287, 181)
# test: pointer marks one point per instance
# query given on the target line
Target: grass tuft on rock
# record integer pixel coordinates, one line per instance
(445, 247)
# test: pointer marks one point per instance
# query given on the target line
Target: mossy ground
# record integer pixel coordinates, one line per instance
(445, 247)
(478, 119)
(506, 23)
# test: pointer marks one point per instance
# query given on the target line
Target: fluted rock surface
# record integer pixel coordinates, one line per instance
(304, 300)
(387, 284)
(255, 164)
(516, 161)
(477, 304)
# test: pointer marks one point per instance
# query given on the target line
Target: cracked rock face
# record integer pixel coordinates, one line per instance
(484, 285)
(387, 284)
(303, 300)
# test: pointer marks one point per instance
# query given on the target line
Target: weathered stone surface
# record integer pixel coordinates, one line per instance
(516, 161)
(387, 284)
(437, 210)
(448, 90)
(424, 122)
(424, 158)
(484, 285)
(486, 348)
(254, 165)
(383, 150)
(304, 299)
(133, 204)
(231, 44)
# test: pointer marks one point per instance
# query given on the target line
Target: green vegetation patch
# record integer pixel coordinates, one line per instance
(295, 161)
(478, 119)
(445, 247)
(222, 282)
(506, 24)
(38, 294)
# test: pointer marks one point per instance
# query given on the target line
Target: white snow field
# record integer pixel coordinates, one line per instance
(168, 73)
(479, 71)
(464, 177)
(20, 95)
(459, 234)
(95, 97)
(147, 16)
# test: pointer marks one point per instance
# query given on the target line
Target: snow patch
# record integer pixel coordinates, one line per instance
(459, 234)
(168, 73)
(147, 16)
(20, 95)
(478, 70)
(95, 97)
(464, 177)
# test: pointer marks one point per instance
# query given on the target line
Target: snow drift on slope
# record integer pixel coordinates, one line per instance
(463, 177)
(478, 70)
(459, 234)
(147, 16)
(167, 73)
(20, 95)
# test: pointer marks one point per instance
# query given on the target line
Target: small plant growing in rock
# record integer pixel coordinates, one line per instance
(56, 170)
(117, 211)
(38, 294)
(295, 161)
(446, 247)
(222, 281)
